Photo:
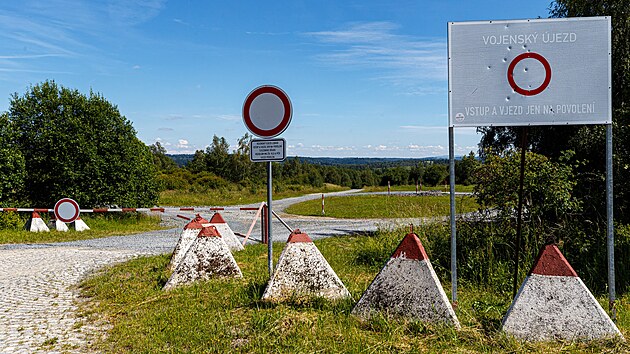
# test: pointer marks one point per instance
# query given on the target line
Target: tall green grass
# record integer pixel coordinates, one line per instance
(424, 188)
(219, 316)
(383, 206)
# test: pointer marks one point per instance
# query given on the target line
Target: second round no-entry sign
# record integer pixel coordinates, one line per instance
(267, 111)
(66, 210)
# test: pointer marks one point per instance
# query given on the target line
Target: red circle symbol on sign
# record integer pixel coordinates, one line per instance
(66, 210)
(539, 89)
(267, 111)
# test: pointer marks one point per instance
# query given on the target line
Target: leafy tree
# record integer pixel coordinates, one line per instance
(218, 156)
(81, 147)
(160, 160)
(547, 187)
(241, 168)
(12, 169)
(465, 168)
(435, 174)
(417, 172)
(198, 162)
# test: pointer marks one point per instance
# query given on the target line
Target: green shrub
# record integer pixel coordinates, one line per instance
(11, 220)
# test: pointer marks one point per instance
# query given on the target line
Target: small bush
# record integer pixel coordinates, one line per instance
(11, 221)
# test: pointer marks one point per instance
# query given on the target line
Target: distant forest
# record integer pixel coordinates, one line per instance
(375, 162)
(219, 165)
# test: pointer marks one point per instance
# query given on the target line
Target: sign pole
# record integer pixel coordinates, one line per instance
(451, 160)
(519, 220)
(269, 219)
(267, 113)
(609, 223)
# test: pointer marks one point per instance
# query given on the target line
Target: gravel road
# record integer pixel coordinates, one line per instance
(38, 294)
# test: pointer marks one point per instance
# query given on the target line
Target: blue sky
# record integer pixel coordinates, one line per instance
(366, 78)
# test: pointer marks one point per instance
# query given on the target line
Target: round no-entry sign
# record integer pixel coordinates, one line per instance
(539, 89)
(66, 210)
(267, 111)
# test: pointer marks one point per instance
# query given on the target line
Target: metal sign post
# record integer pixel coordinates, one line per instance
(610, 231)
(451, 160)
(532, 72)
(269, 218)
(267, 113)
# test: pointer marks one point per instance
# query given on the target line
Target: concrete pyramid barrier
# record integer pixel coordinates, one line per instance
(554, 304)
(407, 286)
(80, 225)
(302, 271)
(208, 257)
(36, 224)
(186, 239)
(226, 232)
(57, 225)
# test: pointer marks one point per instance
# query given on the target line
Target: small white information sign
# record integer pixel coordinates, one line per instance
(267, 150)
(530, 72)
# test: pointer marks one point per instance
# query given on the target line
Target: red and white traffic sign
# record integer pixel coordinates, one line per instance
(66, 210)
(530, 72)
(518, 59)
(267, 111)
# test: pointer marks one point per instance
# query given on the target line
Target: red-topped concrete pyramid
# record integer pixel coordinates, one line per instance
(226, 232)
(36, 224)
(410, 248)
(298, 236)
(57, 225)
(551, 261)
(208, 257)
(209, 231)
(186, 238)
(407, 286)
(80, 225)
(302, 271)
(196, 223)
(554, 304)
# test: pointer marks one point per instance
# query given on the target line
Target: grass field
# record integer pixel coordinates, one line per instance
(220, 316)
(237, 196)
(412, 187)
(383, 206)
(100, 226)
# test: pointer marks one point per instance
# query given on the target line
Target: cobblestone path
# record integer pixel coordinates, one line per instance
(38, 292)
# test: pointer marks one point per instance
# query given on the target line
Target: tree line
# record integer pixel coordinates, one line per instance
(217, 166)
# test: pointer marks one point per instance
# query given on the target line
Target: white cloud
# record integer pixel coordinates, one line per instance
(228, 117)
(180, 21)
(133, 12)
(175, 116)
(399, 59)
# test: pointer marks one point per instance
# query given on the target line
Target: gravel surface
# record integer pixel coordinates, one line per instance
(38, 294)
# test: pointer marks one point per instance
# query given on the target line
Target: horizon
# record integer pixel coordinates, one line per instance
(366, 78)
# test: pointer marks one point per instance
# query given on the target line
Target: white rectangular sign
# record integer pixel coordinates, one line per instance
(267, 150)
(530, 72)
